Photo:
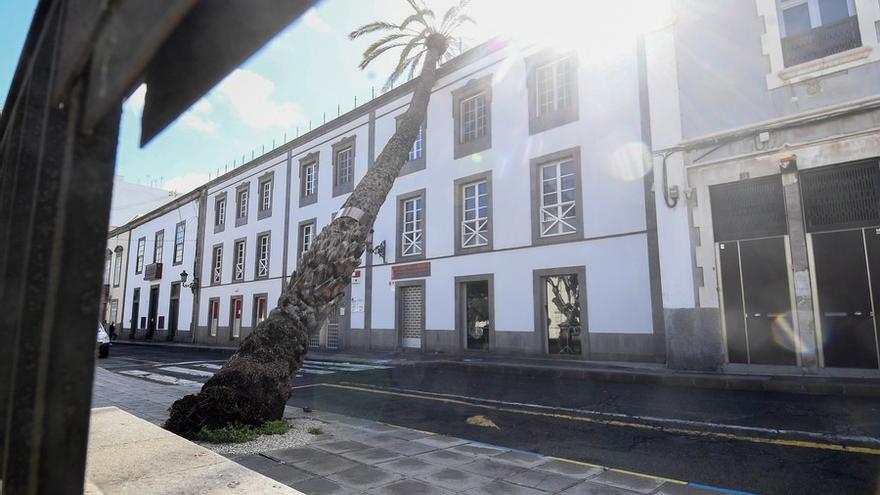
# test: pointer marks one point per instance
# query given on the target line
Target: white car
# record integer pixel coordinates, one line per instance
(103, 344)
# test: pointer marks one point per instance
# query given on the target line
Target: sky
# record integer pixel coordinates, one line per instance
(310, 70)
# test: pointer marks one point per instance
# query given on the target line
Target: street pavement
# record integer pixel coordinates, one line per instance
(755, 442)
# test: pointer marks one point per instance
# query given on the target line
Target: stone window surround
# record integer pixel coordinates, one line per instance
(211, 301)
(472, 88)
(562, 116)
(270, 178)
(214, 249)
(242, 188)
(140, 255)
(419, 164)
(311, 158)
(267, 233)
(174, 261)
(459, 197)
(299, 241)
(460, 311)
(220, 226)
(868, 12)
(535, 189)
(242, 240)
(232, 300)
(398, 243)
(337, 147)
(538, 301)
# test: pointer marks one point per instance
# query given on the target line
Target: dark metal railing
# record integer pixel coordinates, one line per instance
(821, 41)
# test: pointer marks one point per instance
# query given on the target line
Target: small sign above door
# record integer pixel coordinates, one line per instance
(414, 270)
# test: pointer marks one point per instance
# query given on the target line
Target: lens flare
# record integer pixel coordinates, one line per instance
(630, 161)
(783, 332)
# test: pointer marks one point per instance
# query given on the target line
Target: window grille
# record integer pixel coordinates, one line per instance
(218, 265)
(841, 196)
(475, 215)
(242, 203)
(412, 232)
(220, 212)
(266, 197)
(306, 235)
(748, 209)
(558, 199)
(263, 258)
(418, 145)
(139, 263)
(345, 166)
(179, 235)
(158, 246)
(473, 118)
(238, 272)
(309, 180)
(553, 87)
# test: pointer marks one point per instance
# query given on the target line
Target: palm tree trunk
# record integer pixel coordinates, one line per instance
(254, 384)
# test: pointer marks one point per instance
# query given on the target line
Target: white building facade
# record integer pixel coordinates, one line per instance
(520, 224)
(158, 304)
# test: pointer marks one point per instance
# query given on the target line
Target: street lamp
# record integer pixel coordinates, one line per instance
(377, 250)
(194, 285)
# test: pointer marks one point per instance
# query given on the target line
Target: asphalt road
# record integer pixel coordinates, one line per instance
(750, 441)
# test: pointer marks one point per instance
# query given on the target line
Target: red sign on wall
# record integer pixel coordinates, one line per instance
(414, 270)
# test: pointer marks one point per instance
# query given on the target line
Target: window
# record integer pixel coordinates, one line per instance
(238, 268)
(139, 261)
(343, 166)
(473, 119)
(158, 246)
(114, 310)
(117, 269)
(241, 204)
(266, 184)
(213, 316)
(553, 98)
(475, 215)
(220, 213)
(262, 269)
(179, 235)
(411, 225)
(472, 115)
(416, 151)
(107, 262)
(814, 29)
(217, 272)
(259, 308)
(306, 236)
(416, 156)
(308, 179)
(556, 192)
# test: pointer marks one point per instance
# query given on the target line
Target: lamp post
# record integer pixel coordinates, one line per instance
(194, 285)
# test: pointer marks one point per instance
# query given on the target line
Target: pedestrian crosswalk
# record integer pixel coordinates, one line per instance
(198, 372)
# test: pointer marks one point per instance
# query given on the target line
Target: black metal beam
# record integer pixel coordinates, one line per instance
(216, 37)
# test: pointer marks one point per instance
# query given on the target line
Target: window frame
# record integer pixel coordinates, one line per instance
(401, 201)
(474, 87)
(140, 255)
(344, 144)
(535, 166)
(459, 186)
(239, 257)
(220, 212)
(256, 308)
(813, 10)
(265, 183)
(108, 266)
(311, 222)
(267, 235)
(117, 266)
(212, 303)
(216, 264)
(179, 245)
(312, 159)
(419, 163)
(561, 115)
(242, 192)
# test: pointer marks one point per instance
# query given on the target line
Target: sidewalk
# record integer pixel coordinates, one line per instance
(356, 456)
(622, 372)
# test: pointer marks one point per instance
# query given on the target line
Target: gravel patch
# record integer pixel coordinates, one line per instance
(297, 436)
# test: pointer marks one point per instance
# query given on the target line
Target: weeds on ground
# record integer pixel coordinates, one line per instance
(241, 434)
(316, 431)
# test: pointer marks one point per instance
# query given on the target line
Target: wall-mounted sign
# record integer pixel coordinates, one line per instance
(413, 270)
(356, 277)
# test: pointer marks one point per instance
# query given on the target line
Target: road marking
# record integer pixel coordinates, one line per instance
(187, 371)
(610, 422)
(346, 365)
(159, 378)
(210, 366)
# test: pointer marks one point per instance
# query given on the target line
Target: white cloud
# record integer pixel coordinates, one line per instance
(251, 97)
(135, 102)
(314, 21)
(198, 123)
(185, 183)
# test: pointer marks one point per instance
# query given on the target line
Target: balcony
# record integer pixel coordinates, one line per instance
(153, 271)
(821, 41)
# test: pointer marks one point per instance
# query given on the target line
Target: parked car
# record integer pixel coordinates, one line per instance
(103, 342)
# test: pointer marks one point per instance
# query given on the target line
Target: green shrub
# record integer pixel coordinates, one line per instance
(241, 434)
(315, 431)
